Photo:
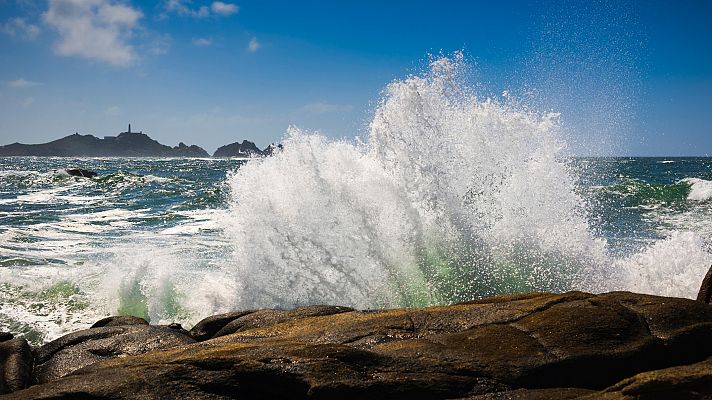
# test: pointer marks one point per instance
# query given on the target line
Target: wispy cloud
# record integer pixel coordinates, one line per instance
(318, 108)
(184, 8)
(94, 29)
(225, 9)
(202, 41)
(181, 8)
(112, 111)
(254, 45)
(22, 83)
(19, 27)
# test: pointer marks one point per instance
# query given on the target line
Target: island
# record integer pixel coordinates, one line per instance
(237, 149)
(126, 144)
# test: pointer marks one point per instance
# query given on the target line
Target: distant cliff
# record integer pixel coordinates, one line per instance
(126, 144)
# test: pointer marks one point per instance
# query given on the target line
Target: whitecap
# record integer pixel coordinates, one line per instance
(700, 189)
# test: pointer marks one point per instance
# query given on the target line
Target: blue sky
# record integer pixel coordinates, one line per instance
(630, 78)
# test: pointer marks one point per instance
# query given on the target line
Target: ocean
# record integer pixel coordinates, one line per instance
(447, 197)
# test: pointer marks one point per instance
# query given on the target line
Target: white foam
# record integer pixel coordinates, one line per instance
(700, 189)
(674, 266)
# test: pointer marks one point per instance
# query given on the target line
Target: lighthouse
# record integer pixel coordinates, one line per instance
(129, 128)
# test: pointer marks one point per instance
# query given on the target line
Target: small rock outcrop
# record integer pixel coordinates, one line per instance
(237, 149)
(272, 149)
(15, 365)
(208, 327)
(119, 320)
(79, 349)
(81, 172)
(705, 294)
(692, 381)
(192, 151)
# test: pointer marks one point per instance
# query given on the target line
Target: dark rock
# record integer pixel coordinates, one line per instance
(178, 328)
(79, 349)
(705, 294)
(119, 320)
(272, 149)
(5, 336)
(681, 382)
(190, 151)
(208, 327)
(126, 144)
(15, 365)
(534, 394)
(266, 318)
(81, 172)
(237, 149)
(540, 345)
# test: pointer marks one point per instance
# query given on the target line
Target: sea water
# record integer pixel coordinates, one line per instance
(447, 197)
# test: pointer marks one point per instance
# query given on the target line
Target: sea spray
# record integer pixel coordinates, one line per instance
(452, 197)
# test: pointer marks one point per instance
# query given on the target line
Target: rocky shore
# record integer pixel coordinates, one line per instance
(616, 345)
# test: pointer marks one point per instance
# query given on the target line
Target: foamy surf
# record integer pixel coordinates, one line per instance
(700, 189)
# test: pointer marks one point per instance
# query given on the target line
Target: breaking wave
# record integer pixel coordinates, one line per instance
(450, 197)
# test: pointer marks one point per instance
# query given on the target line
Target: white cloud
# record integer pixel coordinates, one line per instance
(94, 29)
(183, 8)
(202, 41)
(318, 108)
(20, 27)
(180, 7)
(254, 45)
(22, 83)
(225, 9)
(112, 111)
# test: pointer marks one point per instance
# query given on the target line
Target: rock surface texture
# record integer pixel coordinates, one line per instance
(705, 294)
(535, 346)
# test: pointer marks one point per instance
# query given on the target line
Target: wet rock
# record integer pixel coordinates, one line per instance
(15, 365)
(5, 336)
(81, 172)
(535, 394)
(540, 345)
(266, 318)
(208, 327)
(178, 328)
(705, 294)
(692, 381)
(79, 349)
(119, 320)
